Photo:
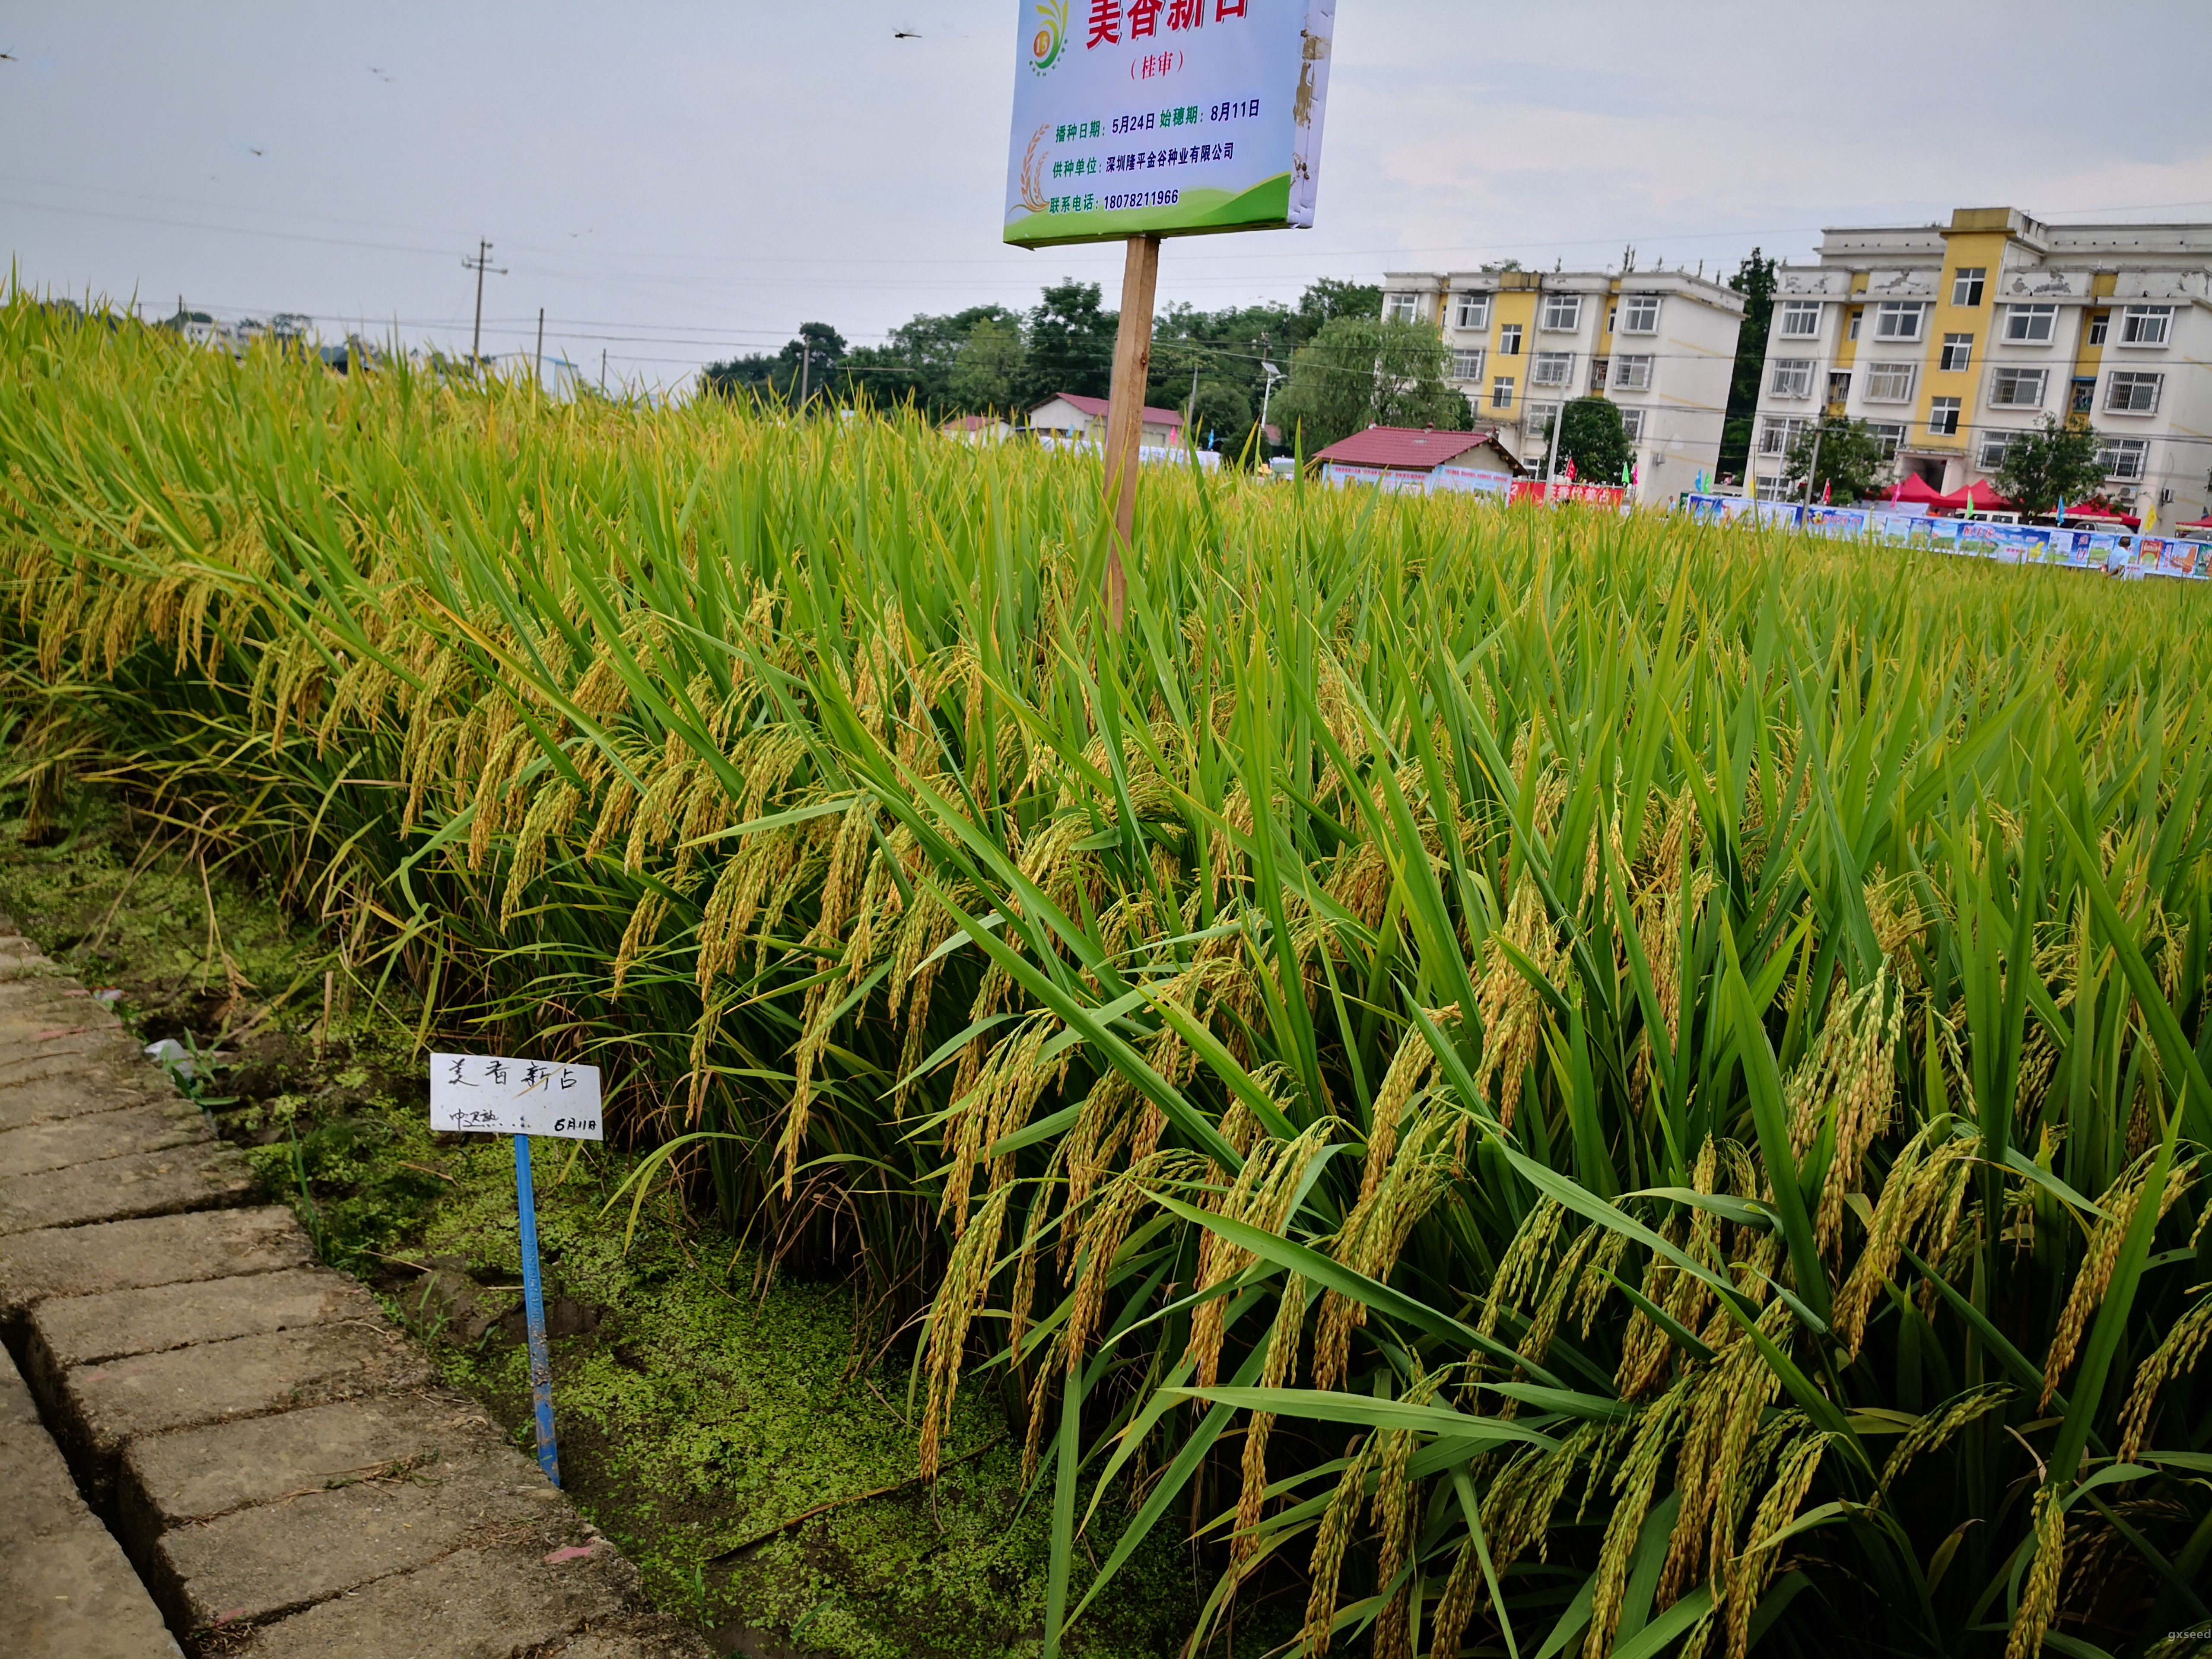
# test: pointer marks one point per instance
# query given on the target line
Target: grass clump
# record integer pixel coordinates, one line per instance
(1518, 1078)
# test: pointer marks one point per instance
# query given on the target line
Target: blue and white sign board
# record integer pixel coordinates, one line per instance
(497, 1095)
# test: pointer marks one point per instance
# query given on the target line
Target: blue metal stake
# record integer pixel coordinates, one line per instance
(533, 1308)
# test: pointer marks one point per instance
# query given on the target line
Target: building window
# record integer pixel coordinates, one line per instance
(2085, 394)
(1551, 368)
(1857, 312)
(1598, 366)
(1562, 312)
(2133, 391)
(1839, 386)
(1889, 434)
(1536, 419)
(2145, 325)
(1401, 308)
(1473, 311)
(1508, 340)
(2123, 458)
(1501, 392)
(1778, 433)
(1991, 454)
(1966, 285)
(2030, 325)
(1466, 365)
(2018, 388)
(1792, 377)
(1898, 319)
(1639, 314)
(1632, 372)
(1889, 383)
(1800, 320)
(1943, 417)
(1958, 352)
(2099, 327)
(1631, 425)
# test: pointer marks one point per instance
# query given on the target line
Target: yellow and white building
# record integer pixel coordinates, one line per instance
(1661, 344)
(1950, 339)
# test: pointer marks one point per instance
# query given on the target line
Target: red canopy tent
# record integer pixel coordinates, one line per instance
(1914, 490)
(2204, 523)
(2089, 518)
(1973, 498)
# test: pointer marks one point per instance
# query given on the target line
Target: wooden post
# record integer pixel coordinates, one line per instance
(1125, 411)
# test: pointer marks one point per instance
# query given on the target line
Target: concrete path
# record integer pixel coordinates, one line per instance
(207, 1438)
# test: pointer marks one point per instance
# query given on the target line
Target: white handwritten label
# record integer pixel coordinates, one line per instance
(494, 1095)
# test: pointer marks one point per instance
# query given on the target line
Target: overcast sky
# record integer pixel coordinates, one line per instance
(675, 183)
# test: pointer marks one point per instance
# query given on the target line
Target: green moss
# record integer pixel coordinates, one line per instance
(701, 1413)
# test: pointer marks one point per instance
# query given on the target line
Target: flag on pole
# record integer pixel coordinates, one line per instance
(2150, 517)
(1825, 489)
(1571, 469)
(2062, 509)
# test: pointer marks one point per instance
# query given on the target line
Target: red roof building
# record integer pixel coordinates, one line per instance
(1070, 415)
(1417, 449)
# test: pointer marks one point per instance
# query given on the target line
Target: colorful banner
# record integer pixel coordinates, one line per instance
(1471, 480)
(1166, 117)
(1581, 495)
(2118, 553)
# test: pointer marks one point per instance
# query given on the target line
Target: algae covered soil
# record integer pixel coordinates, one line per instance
(702, 1410)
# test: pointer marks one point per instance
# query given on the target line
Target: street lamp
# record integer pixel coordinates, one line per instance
(1274, 374)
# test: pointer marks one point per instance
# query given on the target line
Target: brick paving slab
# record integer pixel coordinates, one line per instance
(153, 1127)
(167, 1249)
(194, 1475)
(79, 1093)
(490, 1603)
(118, 1188)
(255, 1564)
(243, 1377)
(66, 1591)
(82, 1330)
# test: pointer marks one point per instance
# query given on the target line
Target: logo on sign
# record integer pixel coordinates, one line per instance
(1045, 46)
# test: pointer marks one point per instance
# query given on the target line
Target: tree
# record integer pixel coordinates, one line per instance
(1851, 465)
(1754, 280)
(1592, 436)
(988, 368)
(1220, 417)
(1329, 298)
(918, 358)
(783, 375)
(2058, 464)
(1361, 372)
(1071, 344)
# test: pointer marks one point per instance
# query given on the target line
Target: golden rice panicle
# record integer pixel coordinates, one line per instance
(2039, 1596)
(1635, 1484)
(1277, 1372)
(1936, 1428)
(944, 1339)
(1331, 1539)
(2175, 1356)
(1749, 1573)
(2094, 1276)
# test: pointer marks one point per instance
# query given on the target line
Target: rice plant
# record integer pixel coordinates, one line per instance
(1535, 1084)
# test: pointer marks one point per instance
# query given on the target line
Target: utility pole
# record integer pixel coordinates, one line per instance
(603, 371)
(537, 369)
(480, 265)
(805, 362)
(1819, 431)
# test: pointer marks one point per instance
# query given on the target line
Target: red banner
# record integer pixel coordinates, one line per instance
(1585, 495)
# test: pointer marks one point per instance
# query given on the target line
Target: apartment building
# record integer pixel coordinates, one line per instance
(1661, 344)
(1950, 340)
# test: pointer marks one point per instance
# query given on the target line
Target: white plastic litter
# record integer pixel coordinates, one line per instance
(110, 994)
(172, 1054)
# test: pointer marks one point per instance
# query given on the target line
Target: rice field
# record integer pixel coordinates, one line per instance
(1532, 1083)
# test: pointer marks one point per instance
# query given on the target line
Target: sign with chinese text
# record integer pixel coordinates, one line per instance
(1165, 117)
(494, 1095)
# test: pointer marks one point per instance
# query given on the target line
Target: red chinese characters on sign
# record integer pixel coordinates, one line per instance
(1152, 64)
(1143, 17)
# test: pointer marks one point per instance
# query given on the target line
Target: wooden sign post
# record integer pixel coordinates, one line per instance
(1125, 413)
(1132, 122)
